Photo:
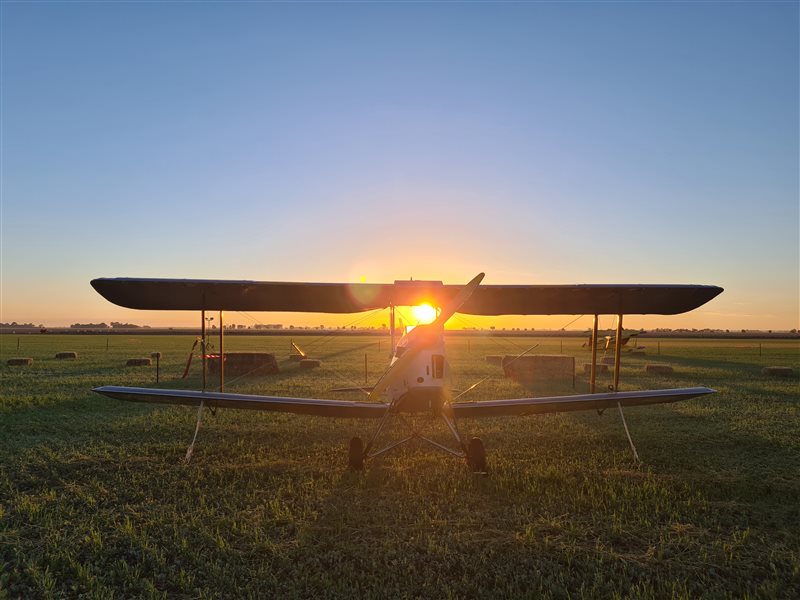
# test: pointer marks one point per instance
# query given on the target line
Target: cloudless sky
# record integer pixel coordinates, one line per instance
(575, 142)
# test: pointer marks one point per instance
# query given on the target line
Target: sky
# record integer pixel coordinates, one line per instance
(546, 142)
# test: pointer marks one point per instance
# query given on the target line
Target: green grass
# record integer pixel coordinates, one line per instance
(96, 502)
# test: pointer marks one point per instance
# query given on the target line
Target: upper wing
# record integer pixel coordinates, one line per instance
(588, 299)
(206, 294)
(532, 406)
(210, 294)
(301, 406)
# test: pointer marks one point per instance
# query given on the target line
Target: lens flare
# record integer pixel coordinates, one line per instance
(424, 314)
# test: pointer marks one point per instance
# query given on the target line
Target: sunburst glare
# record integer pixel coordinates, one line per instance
(424, 314)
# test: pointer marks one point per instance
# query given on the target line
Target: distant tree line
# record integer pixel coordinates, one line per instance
(114, 325)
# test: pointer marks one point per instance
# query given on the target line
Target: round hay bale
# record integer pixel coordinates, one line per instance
(656, 369)
(587, 368)
(778, 371)
(157, 355)
(63, 355)
(495, 359)
(607, 360)
(19, 361)
(310, 363)
(253, 364)
(138, 362)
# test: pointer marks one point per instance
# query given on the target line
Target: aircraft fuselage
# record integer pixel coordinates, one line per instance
(423, 387)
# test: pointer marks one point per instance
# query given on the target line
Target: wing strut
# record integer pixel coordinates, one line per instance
(617, 351)
(617, 360)
(391, 331)
(203, 344)
(594, 355)
(221, 353)
(190, 449)
(203, 352)
(628, 433)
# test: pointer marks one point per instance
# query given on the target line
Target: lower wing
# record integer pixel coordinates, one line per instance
(301, 406)
(532, 406)
(368, 410)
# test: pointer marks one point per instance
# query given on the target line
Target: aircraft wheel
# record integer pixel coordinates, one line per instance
(355, 457)
(476, 456)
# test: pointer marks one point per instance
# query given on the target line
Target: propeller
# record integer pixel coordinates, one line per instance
(422, 337)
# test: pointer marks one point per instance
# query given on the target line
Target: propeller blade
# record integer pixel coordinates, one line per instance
(458, 301)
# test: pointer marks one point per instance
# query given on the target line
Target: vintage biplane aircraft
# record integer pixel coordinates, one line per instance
(415, 380)
(607, 340)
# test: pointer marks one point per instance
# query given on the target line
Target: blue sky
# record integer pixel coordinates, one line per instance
(538, 142)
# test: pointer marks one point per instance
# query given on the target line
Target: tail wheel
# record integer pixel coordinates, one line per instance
(355, 457)
(476, 456)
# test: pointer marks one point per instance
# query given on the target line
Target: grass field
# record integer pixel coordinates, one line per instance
(96, 501)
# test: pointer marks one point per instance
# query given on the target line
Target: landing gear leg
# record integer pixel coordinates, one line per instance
(476, 456)
(355, 456)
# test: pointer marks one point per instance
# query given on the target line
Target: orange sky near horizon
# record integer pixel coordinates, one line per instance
(738, 307)
(86, 306)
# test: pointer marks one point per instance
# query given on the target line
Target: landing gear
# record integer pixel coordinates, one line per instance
(476, 456)
(355, 456)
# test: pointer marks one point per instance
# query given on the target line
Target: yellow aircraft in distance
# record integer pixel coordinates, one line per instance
(414, 381)
(609, 340)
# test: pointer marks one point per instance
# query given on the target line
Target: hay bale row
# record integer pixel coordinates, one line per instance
(587, 368)
(540, 368)
(658, 369)
(778, 371)
(138, 362)
(19, 361)
(63, 355)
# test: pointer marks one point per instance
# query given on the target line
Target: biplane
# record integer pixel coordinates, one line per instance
(608, 339)
(414, 382)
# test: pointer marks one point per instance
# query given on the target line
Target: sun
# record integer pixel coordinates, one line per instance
(424, 314)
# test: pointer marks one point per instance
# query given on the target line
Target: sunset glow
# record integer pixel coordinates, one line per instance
(424, 314)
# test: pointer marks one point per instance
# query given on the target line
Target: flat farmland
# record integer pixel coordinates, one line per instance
(96, 500)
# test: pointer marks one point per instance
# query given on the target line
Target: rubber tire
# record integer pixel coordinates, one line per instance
(476, 456)
(355, 456)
